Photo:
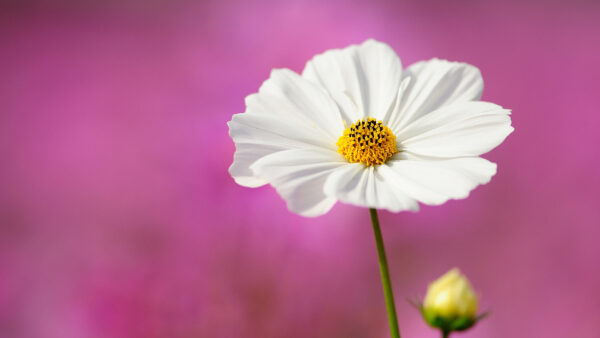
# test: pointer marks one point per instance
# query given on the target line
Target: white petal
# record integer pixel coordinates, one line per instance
(434, 84)
(303, 101)
(367, 187)
(436, 181)
(393, 111)
(369, 73)
(458, 130)
(298, 175)
(288, 112)
(246, 154)
(258, 135)
(348, 108)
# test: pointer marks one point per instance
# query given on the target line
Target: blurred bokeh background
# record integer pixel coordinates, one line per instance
(118, 217)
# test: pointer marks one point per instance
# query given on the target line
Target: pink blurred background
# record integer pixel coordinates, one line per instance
(118, 217)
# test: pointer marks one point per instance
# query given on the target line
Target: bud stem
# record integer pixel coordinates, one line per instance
(445, 334)
(385, 276)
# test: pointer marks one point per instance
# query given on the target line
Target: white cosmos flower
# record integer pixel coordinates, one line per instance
(295, 133)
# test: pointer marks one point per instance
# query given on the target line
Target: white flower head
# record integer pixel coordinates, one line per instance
(357, 128)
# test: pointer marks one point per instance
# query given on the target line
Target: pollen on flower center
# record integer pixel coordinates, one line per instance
(367, 141)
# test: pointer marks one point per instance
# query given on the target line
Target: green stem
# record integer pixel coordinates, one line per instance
(445, 334)
(385, 277)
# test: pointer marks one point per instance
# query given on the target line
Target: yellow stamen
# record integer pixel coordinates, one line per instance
(367, 141)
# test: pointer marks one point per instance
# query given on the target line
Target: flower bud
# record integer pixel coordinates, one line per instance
(450, 303)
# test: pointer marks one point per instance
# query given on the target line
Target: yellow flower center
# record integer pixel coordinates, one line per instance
(367, 141)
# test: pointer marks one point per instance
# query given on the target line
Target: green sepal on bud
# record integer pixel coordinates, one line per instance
(450, 304)
(449, 324)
